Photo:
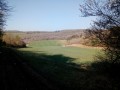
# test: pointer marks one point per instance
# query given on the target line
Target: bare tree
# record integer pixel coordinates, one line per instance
(107, 26)
(3, 13)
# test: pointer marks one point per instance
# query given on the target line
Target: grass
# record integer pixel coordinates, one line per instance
(54, 47)
(63, 65)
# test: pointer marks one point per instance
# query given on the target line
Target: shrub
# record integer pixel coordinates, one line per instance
(13, 41)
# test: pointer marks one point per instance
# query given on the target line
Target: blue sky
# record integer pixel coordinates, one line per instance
(46, 15)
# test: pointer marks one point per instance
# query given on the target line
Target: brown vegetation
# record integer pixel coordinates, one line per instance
(71, 36)
(13, 41)
(45, 35)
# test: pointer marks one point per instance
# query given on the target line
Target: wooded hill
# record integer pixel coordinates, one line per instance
(47, 35)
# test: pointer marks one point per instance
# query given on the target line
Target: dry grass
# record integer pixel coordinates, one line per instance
(84, 46)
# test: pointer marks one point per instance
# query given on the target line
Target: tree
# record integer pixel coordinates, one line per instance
(107, 26)
(3, 13)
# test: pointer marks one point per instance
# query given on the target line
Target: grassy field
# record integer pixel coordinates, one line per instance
(64, 66)
(54, 47)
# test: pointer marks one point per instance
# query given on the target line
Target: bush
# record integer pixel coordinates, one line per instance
(13, 41)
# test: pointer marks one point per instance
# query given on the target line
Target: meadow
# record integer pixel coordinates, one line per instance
(67, 67)
(55, 47)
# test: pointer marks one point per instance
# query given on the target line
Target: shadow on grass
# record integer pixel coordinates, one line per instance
(65, 74)
(107, 67)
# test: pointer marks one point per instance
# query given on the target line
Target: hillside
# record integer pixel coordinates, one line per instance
(45, 35)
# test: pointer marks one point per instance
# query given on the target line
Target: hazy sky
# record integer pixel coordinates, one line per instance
(46, 15)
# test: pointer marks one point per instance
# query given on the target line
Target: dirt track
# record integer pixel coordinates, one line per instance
(16, 75)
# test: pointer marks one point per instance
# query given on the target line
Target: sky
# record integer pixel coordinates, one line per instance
(46, 15)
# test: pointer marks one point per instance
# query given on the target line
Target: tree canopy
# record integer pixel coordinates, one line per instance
(3, 13)
(107, 26)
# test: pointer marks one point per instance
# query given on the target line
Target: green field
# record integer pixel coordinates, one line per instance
(54, 47)
(62, 65)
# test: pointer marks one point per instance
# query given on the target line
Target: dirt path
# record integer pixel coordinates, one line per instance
(16, 75)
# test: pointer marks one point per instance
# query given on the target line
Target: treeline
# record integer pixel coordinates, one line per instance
(85, 38)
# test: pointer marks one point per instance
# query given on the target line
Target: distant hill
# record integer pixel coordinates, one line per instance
(13, 31)
(47, 35)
